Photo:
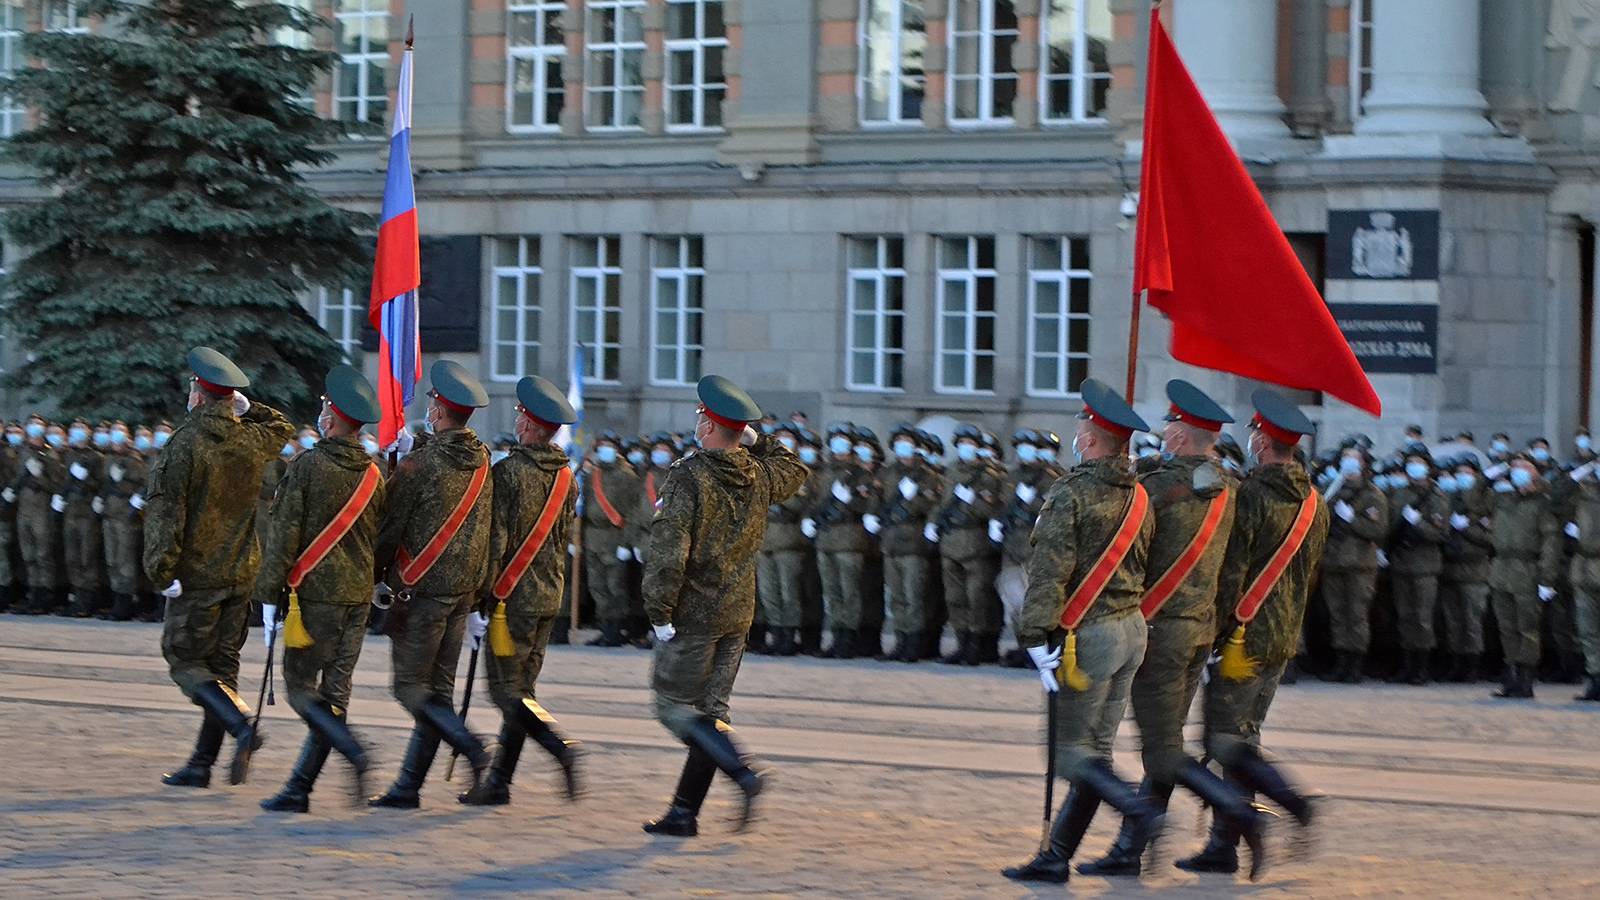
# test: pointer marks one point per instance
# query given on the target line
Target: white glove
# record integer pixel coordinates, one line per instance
(997, 532)
(638, 555)
(572, 549)
(1546, 594)
(269, 623)
(1571, 530)
(173, 591)
(1582, 472)
(748, 438)
(1026, 493)
(477, 627)
(840, 492)
(35, 468)
(241, 404)
(98, 505)
(8, 495)
(1344, 511)
(1459, 522)
(404, 440)
(1383, 559)
(78, 471)
(808, 527)
(381, 589)
(58, 503)
(136, 501)
(908, 488)
(624, 554)
(965, 494)
(930, 533)
(871, 523)
(1410, 515)
(664, 633)
(115, 471)
(1046, 660)
(1494, 472)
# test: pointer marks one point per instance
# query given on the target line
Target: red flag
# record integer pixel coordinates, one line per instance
(1215, 261)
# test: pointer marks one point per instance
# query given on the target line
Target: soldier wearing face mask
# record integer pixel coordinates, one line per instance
(1500, 447)
(1419, 517)
(1539, 453)
(40, 475)
(845, 492)
(1527, 557)
(1358, 526)
(10, 462)
(974, 494)
(780, 566)
(910, 490)
(1464, 582)
(1582, 447)
(1583, 533)
(1029, 482)
(660, 456)
(80, 521)
(122, 521)
(610, 507)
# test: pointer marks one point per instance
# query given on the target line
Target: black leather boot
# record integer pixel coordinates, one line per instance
(682, 817)
(197, 771)
(1254, 773)
(495, 790)
(610, 636)
(989, 647)
(538, 724)
(1219, 855)
(784, 644)
(329, 725)
(715, 741)
(1124, 857)
(227, 708)
(1357, 671)
(959, 655)
(869, 643)
(456, 733)
(1511, 686)
(1471, 668)
(407, 787)
(756, 641)
(1053, 863)
(296, 794)
(1147, 818)
(1591, 692)
(1418, 674)
(811, 640)
(1234, 808)
(121, 607)
(972, 650)
(844, 644)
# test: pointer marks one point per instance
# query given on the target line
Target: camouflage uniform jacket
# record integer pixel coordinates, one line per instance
(1181, 492)
(423, 491)
(700, 572)
(34, 492)
(1269, 499)
(10, 465)
(637, 531)
(200, 514)
(839, 526)
(80, 493)
(1414, 549)
(1527, 540)
(904, 520)
(783, 519)
(1081, 515)
(1467, 552)
(126, 474)
(317, 485)
(1020, 514)
(623, 491)
(1353, 545)
(964, 527)
(522, 485)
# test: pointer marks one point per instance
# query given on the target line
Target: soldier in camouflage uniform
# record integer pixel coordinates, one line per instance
(1419, 516)
(974, 494)
(1236, 703)
(39, 475)
(910, 488)
(428, 485)
(1032, 479)
(1464, 581)
(80, 523)
(610, 505)
(845, 491)
(123, 522)
(780, 569)
(1185, 484)
(1357, 528)
(334, 595)
(1527, 562)
(699, 589)
(1563, 660)
(523, 484)
(10, 466)
(200, 546)
(1584, 531)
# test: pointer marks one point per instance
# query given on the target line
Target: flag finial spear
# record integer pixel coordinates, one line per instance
(411, 31)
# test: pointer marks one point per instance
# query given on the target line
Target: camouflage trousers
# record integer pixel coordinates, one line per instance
(1110, 650)
(1463, 605)
(425, 655)
(608, 584)
(1012, 586)
(1561, 623)
(692, 676)
(39, 538)
(325, 670)
(122, 554)
(1235, 710)
(1347, 594)
(202, 634)
(841, 587)
(85, 561)
(908, 579)
(513, 679)
(1163, 691)
(969, 593)
(1518, 614)
(1587, 606)
(1414, 599)
(780, 579)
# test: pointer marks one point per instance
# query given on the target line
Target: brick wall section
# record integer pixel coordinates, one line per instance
(732, 19)
(1025, 58)
(572, 68)
(654, 67)
(1127, 23)
(838, 57)
(934, 64)
(322, 39)
(486, 68)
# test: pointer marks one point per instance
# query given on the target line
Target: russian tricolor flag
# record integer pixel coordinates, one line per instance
(397, 272)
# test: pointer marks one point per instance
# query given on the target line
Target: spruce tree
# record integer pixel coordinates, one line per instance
(171, 145)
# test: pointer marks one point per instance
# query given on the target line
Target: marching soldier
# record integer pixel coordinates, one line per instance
(910, 490)
(1193, 500)
(1584, 530)
(1464, 581)
(40, 474)
(1086, 577)
(1032, 480)
(969, 560)
(200, 546)
(10, 466)
(123, 521)
(780, 569)
(1280, 526)
(700, 593)
(610, 503)
(321, 533)
(435, 530)
(1359, 525)
(1419, 516)
(1527, 560)
(80, 521)
(846, 491)
(534, 503)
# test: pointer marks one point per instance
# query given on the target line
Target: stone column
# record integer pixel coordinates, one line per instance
(1308, 61)
(1231, 49)
(776, 121)
(1425, 60)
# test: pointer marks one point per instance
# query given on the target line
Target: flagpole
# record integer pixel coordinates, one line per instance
(1133, 345)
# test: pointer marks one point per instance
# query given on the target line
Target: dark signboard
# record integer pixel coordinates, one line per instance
(1391, 337)
(1383, 244)
(451, 294)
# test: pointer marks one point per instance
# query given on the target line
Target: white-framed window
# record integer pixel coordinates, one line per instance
(514, 305)
(876, 328)
(697, 43)
(982, 81)
(1360, 55)
(893, 42)
(535, 47)
(13, 22)
(361, 34)
(342, 313)
(290, 37)
(677, 307)
(1075, 74)
(964, 363)
(1058, 315)
(596, 292)
(64, 16)
(613, 83)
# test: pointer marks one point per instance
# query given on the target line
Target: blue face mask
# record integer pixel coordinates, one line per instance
(606, 455)
(966, 452)
(1521, 478)
(808, 455)
(1447, 483)
(14, 439)
(1499, 447)
(54, 440)
(118, 438)
(369, 445)
(636, 457)
(78, 436)
(1503, 487)
(1350, 466)
(904, 449)
(1027, 452)
(34, 430)
(102, 439)
(1540, 454)
(161, 438)
(141, 443)
(839, 446)
(308, 442)
(288, 449)
(1417, 471)
(865, 454)
(1466, 481)
(986, 453)
(1046, 454)
(660, 458)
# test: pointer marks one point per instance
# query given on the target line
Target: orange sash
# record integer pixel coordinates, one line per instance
(541, 531)
(334, 531)
(600, 497)
(1100, 574)
(413, 570)
(1167, 584)
(1250, 603)
(650, 487)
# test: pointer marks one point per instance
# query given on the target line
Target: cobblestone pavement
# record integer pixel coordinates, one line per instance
(891, 780)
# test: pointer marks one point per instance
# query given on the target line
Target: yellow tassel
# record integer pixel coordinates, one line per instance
(1235, 665)
(500, 632)
(295, 635)
(1071, 675)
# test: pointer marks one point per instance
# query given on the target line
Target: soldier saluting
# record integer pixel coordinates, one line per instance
(699, 589)
(534, 504)
(321, 535)
(200, 549)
